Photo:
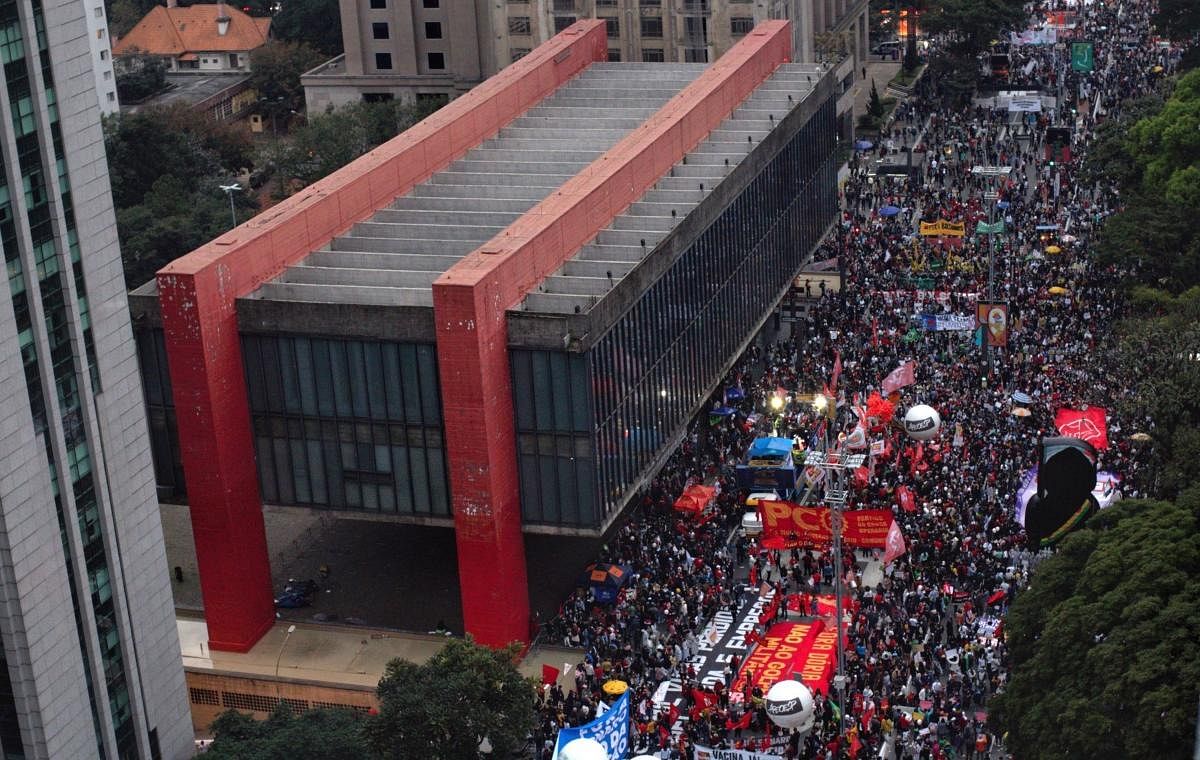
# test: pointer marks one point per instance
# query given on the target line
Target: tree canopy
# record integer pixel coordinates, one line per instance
(317, 23)
(1105, 643)
(315, 735)
(1156, 162)
(972, 25)
(165, 166)
(275, 70)
(443, 709)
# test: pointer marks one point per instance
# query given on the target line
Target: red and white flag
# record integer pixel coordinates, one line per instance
(894, 546)
(1088, 424)
(905, 374)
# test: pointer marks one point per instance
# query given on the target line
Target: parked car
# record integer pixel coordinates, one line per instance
(751, 522)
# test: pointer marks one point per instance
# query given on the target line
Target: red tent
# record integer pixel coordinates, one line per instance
(696, 499)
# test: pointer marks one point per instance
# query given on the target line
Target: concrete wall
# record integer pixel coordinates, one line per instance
(212, 693)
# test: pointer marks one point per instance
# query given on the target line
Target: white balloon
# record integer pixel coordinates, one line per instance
(790, 705)
(922, 422)
(583, 749)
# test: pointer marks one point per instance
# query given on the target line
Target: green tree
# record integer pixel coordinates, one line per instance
(1157, 166)
(314, 735)
(165, 168)
(1105, 643)
(317, 23)
(140, 77)
(443, 709)
(1177, 19)
(275, 70)
(971, 25)
(330, 141)
(1159, 344)
(874, 105)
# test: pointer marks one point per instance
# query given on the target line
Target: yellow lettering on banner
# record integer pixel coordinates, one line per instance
(798, 634)
(774, 511)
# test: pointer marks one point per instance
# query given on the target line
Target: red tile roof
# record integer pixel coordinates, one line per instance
(175, 31)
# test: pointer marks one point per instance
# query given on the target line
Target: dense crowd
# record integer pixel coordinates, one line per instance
(925, 653)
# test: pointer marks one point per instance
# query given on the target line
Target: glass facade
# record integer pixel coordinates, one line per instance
(658, 361)
(553, 415)
(347, 424)
(160, 414)
(46, 281)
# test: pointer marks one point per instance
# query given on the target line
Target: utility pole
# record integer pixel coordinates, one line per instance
(835, 465)
(991, 196)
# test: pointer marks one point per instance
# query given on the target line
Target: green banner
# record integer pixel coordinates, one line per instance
(1082, 56)
(983, 228)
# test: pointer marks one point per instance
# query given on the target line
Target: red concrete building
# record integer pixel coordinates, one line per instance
(500, 321)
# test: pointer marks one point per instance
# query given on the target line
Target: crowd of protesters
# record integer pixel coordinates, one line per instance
(925, 651)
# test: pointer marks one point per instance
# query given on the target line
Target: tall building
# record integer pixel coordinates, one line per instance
(499, 322)
(437, 48)
(91, 664)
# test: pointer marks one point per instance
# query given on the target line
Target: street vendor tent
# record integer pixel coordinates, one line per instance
(695, 499)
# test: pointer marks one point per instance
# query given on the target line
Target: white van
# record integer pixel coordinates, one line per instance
(751, 522)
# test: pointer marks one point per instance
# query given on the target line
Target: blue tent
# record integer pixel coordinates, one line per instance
(770, 448)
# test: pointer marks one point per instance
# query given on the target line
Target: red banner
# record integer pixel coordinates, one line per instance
(819, 660)
(779, 654)
(787, 524)
(1085, 424)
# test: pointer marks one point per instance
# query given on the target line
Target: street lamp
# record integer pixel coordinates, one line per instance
(835, 465)
(230, 190)
(291, 629)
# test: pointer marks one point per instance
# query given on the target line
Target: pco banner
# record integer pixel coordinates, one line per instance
(611, 729)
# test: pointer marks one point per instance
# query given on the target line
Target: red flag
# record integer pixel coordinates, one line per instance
(895, 546)
(900, 377)
(1085, 424)
(744, 721)
(672, 715)
(837, 370)
(704, 699)
(907, 501)
(549, 675)
(855, 745)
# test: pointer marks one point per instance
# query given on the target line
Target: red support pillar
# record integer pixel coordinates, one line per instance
(481, 452)
(209, 386)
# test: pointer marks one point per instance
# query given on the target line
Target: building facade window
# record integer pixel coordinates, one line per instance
(383, 61)
(652, 27)
(436, 61)
(379, 30)
(347, 424)
(378, 5)
(564, 5)
(552, 408)
(653, 55)
(518, 25)
(650, 3)
(562, 22)
(695, 55)
(612, 25)
(433, 30)
(516, 54)
(614, 55)
(741, 25)
(431, 3)
(655, 366)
